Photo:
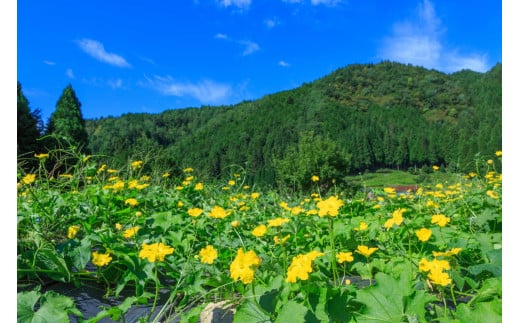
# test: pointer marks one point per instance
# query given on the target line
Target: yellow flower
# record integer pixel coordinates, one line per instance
(101, 259)
(435, 167)
(296, 210)
(366, 251)
(431, 203)
(435, 269)
(102, 168)
(255, 195)
(130, 232)
(208, 254)
(218, 212)
(277, 222)
(492, 194)
(138, 213)
(136, 164)
(329, 206)
(142, 186)
(155, 251)
(278, 240)
(301, 266)
(243, 266)
(131, 202)
(315, 178)
(498, 153)
(72, 231)
(397, 218)
(344, 257)
(199, 187)
(188, 170)
(231, 182)
(195, 212)
(112, 171)
(235, 224)
(69, 176)
(119, 226)
(451, 252)
(260, 230)
(423, 234)
(189, 178)
(180, 204)
(166, 174)
(362, 226)
(29, 179)
(41, 156)
(490, 161)
(440, 219)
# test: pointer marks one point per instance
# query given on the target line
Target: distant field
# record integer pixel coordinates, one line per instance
(390, 177)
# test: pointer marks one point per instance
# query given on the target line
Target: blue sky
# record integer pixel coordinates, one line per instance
(149, 56)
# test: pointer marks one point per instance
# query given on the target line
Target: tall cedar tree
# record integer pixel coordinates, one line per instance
(28, 126)
(67, 120)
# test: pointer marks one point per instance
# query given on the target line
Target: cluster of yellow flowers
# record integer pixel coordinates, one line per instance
(397, 218)
(301, 266)
(435, 270)
(243, 266)
(329, 206)
(155, 251)
(208, 254)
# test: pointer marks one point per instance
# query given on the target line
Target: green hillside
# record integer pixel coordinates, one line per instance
(359, 118)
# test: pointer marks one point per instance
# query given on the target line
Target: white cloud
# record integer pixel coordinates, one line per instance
(205, 91)
(419, 43)
(97, 50)
(271, 23)
(242, 4)
(283, 64)
(325, 2)
(69, 73)
(115, 84)
(250, 47)
(49, 62)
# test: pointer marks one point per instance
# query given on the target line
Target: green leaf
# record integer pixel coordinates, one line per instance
(162, 220)
(81, 255)
(482, 312)
(53, 307)
(248, 312)
(292, 312)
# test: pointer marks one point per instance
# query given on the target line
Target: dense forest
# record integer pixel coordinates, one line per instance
(359, 118)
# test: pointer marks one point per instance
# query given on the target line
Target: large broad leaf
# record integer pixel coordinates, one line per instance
(390, 300)
(482, 312)
(293, 312)
(53, 307)
(248, 312)
(81, 254)
(494, 266)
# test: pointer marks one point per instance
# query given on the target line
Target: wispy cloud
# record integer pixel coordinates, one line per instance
(97, 50)
(49, 62)
(418, 42)
(283, 64)
(325, 2)
(241, 4)
(115, 84)
(271, 22)
(205, 91)
(249, 46)
(69, 73)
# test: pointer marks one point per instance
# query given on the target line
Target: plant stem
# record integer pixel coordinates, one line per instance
(334, 269)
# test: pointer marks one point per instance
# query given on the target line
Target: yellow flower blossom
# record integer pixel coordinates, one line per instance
(188, 170)
(296, 210)
(498, 153)
(69, 176)
(362, 226)
(344, 257)
(492, 194)
(235, 224)
(397, 218)
(451, 252)
(366, 251)
(136, 164)
(131, 202)
(255, 195)
(118, 226)
(208, 254)
(301, 266)
(101, 259)
(166, 175)
(195, 212)
(329, 206)
(199, 187)
(260, 230)
(435, 269)
(315, 178)
(243, 266)
(102, 168)
(41, 156)
(112, 171)
(423, 234)
(130, 232)
(138, 213)
(435, 167)
(490, 161)
(440, 219)
(72, 231)
(29, 179)
(231, 182)
(277, 222)
(180, 204)
(278, 240)
(142, 186)
(155, 251)
(218, 212)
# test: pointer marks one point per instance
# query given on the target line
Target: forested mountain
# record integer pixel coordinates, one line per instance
(360, 117)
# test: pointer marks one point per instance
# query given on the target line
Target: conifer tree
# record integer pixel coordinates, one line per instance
(67, 120)
(28, 130)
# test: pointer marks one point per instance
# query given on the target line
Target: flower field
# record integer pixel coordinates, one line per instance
(430, 255)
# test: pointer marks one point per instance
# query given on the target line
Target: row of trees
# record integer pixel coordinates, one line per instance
(66, 125)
